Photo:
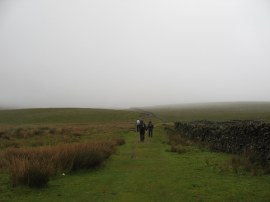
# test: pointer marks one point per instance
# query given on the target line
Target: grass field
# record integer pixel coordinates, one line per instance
(213, 111)
(137, 171)
(65, 116)
(38, 127)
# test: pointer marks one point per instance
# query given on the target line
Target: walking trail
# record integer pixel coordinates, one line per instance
(148, 172)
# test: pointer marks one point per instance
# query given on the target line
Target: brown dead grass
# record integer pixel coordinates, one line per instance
(40, 135)
(34, 166)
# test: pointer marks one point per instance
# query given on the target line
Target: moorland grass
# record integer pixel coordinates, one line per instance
(36, 135)
(34, 166)
(213, 111)
(65, 116)
(247, 161)
(148, 172)
(138, 171)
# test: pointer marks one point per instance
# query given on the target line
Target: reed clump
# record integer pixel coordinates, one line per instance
(34, 166)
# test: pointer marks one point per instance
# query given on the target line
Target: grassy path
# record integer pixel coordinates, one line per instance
(147, 172)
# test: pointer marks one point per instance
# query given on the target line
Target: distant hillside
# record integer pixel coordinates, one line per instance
(213, 111)
(65, 115)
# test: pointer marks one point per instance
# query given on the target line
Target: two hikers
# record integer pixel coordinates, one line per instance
(141, 128)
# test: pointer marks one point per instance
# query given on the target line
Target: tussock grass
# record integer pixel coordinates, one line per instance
(178, 143)
(247, 161)
(36, 135)
(2, 161)
(34, 172)
(178, 148)
(119, 141)
(239, 164)
(34, 166)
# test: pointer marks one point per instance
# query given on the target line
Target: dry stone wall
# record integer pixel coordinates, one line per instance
(231, 136)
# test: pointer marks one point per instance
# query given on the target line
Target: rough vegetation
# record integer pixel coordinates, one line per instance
(249, 138)
(34, 166)
(35, 136)
(137, 172)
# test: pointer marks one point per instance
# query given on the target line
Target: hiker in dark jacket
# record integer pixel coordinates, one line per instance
(142, 131)
(150, 128)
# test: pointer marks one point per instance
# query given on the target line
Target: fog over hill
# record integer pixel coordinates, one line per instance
(121, 54)
(212, 111)
(250, 105)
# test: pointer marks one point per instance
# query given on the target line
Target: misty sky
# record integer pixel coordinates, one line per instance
(123, 53)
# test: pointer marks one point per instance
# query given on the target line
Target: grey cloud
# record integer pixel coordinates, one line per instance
(133, 53)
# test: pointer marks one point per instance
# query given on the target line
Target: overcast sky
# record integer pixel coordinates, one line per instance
(132, 53)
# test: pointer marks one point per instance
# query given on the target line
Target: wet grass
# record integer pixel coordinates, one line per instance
(139, 171)
(213, 111)
(65, 115)
(148, 172)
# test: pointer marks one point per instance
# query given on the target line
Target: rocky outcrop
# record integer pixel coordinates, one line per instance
(230, 136)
